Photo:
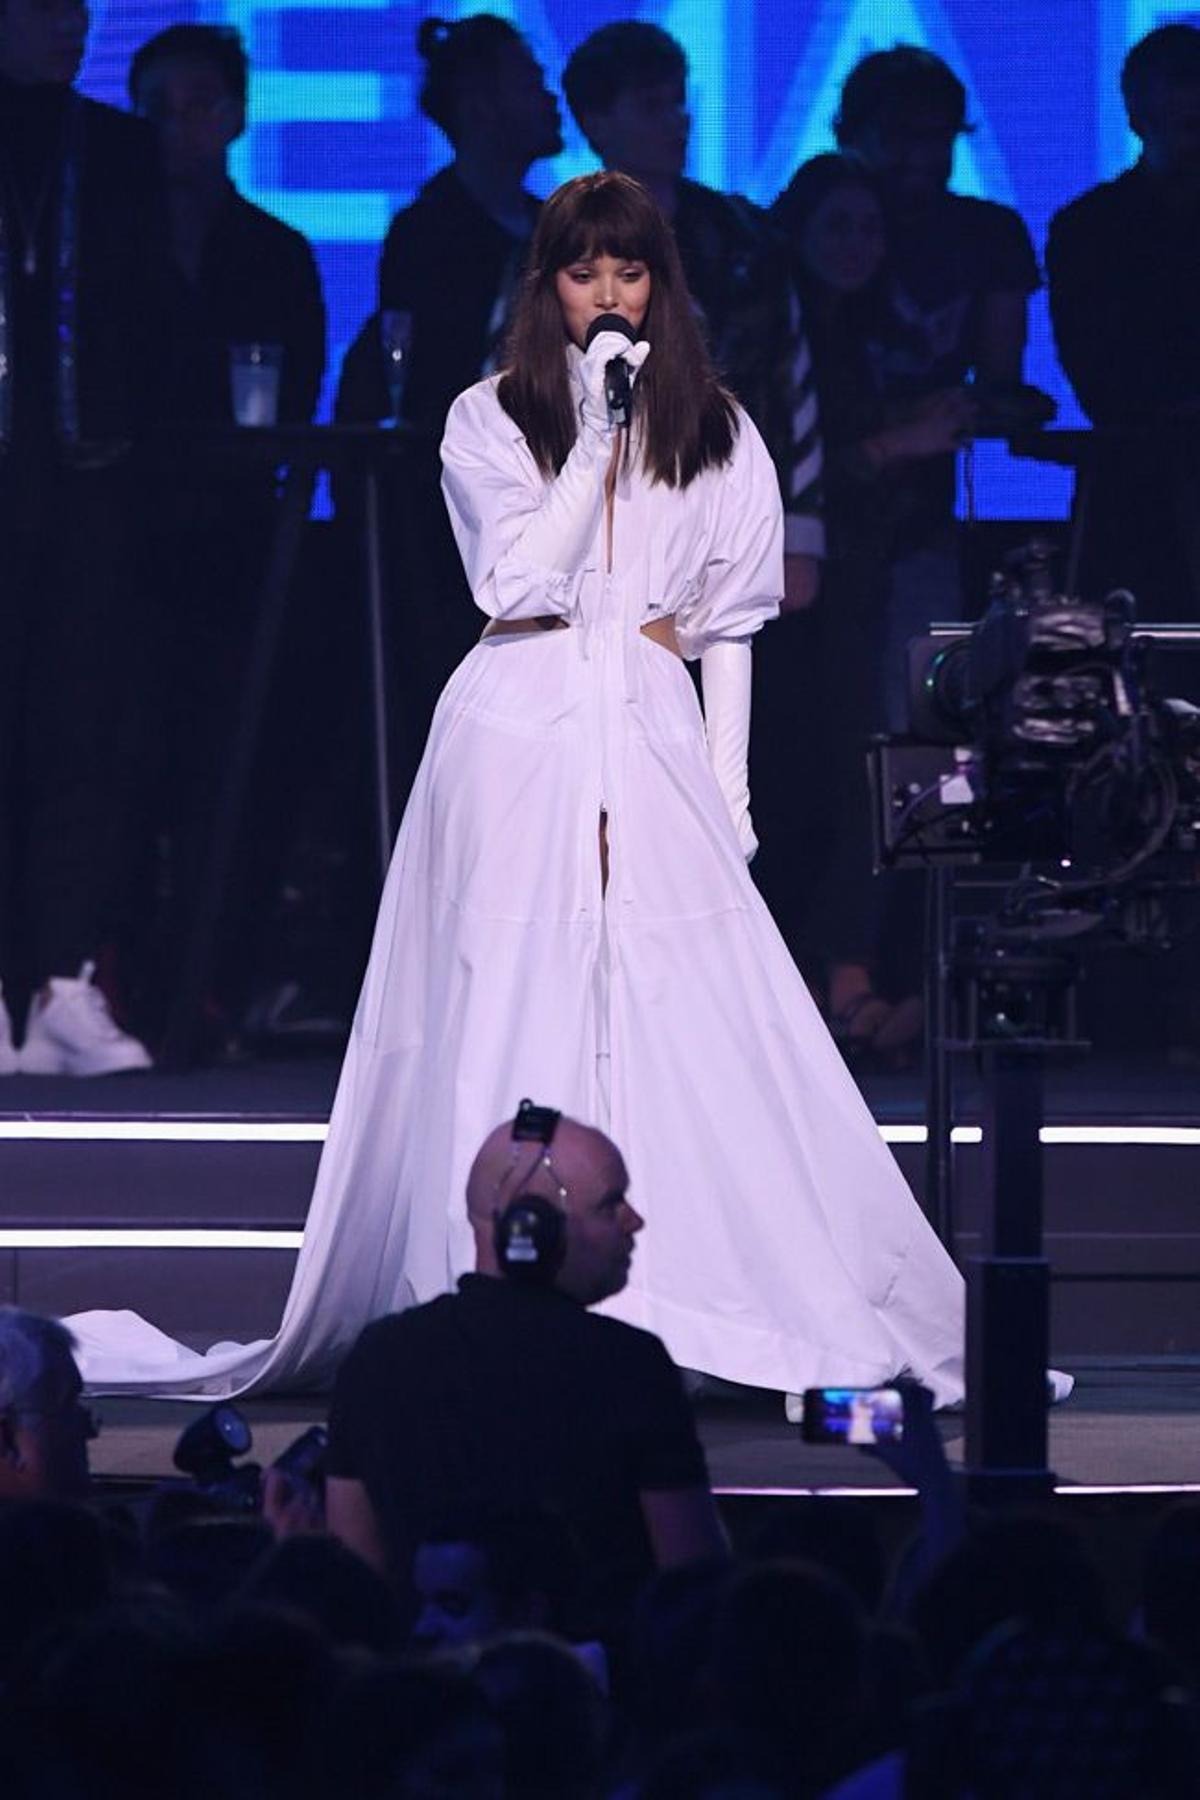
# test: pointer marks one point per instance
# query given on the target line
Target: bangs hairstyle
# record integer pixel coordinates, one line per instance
(687, 420)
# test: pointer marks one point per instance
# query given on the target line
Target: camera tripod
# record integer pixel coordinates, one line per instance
(1013, 1007)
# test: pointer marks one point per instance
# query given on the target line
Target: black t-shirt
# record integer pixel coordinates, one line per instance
(942, 265)
(456, 269)
(257, 283)
(516, 1396)
(1124, 268)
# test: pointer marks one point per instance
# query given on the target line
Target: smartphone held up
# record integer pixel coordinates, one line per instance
(861, 1416)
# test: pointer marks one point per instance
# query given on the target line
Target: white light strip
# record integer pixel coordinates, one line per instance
(301, 1131)
(163, 1131)
(1121, 1134)
(1069, 1490)
(1186, 1135)
(1129, 1487)
(117, 1238)
(917, 1134)
(787, 1493)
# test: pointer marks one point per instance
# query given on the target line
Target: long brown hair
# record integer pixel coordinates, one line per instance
(688, 421)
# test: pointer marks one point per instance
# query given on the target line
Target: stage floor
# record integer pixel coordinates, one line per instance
(1100, 1086)
(1124, 1427)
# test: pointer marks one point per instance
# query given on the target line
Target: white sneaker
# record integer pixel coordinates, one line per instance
(72, 1032)
(10, 1062)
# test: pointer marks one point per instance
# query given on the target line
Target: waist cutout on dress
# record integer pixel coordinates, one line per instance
(660, 630)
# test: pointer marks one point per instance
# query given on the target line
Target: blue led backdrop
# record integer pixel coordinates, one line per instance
(336, 143)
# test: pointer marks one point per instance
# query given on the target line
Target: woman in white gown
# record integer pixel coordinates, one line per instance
(569, 913)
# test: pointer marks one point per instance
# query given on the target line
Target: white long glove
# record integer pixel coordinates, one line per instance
(725, 678)
(604, 348)
(561, 533)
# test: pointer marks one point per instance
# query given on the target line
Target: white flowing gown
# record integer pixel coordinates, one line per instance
(782, 1247)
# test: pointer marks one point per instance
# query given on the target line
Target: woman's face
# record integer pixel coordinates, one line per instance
(843, 242)
(601, 284)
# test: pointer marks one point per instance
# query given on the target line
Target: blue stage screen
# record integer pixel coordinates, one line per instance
(336, 144)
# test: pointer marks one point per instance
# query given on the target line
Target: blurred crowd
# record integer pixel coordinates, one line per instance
(502, 1574)
(871, 320)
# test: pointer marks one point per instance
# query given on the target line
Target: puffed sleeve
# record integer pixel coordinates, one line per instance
(525, 542)
(742, 582)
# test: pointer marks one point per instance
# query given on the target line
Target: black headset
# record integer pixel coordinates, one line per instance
(530, 1233)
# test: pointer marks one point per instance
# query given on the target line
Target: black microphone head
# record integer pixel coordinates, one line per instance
(609, 322)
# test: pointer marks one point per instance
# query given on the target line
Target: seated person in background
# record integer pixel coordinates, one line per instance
(1123, 262)
(512, 1389)
(245, 276)
(242, 277)
(44, 1430)
(625, 85)
(876, 455)
(960, 275)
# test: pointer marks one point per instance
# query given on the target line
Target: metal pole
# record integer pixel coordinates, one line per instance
(377, 663)
(939, 1089)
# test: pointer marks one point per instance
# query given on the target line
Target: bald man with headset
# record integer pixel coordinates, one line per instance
(510, 1390)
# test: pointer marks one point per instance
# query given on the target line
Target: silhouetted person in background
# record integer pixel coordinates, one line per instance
(961, 273)
(453, 258)
(245, 276)
(1123, 261)
(876, 455)
(450, 269)
(626, 86)
(241, 277)
(85, 310)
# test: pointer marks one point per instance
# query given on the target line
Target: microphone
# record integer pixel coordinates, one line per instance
(618, 388)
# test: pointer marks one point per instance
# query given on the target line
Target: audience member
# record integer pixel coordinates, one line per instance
(411, 1731)
(840, 1539)
(84, 327)
(1171, 1589)
(479, 1570)
(44, 1427)
(551, 1714)
(513, 1389)
(205, 1561)
(789, 1670)
(626, 87)
(670, 1650)
(1123, 262)
(318, 1577)
(714, 1763)
(53, 1571)
(1016, 1567)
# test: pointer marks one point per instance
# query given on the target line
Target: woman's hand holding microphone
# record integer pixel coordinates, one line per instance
(606, 390)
